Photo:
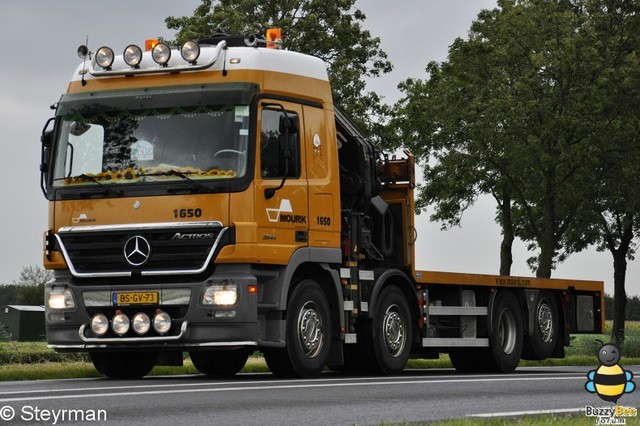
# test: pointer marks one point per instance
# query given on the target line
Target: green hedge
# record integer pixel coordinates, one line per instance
(35, 353)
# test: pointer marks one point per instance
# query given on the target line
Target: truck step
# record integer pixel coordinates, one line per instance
(449, 342)
(458, 310)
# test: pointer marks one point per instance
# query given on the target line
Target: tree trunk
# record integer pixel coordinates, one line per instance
(506, 256)
(548, 243)
(545, 259)
(619, 297)
(619, 277)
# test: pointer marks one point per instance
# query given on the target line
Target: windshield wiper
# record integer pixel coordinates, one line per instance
(194, 187)
(107, 189)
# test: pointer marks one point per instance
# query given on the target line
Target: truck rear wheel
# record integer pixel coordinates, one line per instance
(124, 365)
(386, 344)
(308, 334)
(220, 363)
(505, 343)
(544, 337)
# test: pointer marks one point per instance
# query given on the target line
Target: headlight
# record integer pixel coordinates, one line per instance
(104, 57)
(220, 294)
(190, 51)
(120, 324)
(161, 54)
(161, 322)
(132, 55)
(61, 298)
(141, 323)
(100, 324)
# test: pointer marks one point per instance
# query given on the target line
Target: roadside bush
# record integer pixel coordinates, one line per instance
(34, 353)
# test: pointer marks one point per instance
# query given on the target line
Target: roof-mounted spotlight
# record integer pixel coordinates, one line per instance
(104, 57)
(132, 56)
(161, 53)
(190, 52)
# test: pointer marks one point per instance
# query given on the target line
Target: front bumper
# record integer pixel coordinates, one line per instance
(193, 324)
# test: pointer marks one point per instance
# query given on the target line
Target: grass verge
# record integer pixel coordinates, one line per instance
(555, 419)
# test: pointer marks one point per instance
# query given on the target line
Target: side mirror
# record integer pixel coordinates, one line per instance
(289, 124)
(46, 139)
(289, 128)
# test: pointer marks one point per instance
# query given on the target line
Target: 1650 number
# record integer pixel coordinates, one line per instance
(323, 221)
(186, 213)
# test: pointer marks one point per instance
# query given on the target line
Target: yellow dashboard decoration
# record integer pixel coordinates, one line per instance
(130, 174)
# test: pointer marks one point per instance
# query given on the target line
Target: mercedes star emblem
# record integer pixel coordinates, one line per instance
(137, 250)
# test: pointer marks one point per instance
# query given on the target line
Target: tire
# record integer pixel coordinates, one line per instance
(220, 363)
(544, 337)
(387, 339)
(308, 334)
(506, 340)
(124, 365)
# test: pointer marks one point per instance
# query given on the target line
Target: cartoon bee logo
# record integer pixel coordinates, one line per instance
(609, 381)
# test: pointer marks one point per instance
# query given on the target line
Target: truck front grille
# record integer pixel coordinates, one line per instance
(154, 249)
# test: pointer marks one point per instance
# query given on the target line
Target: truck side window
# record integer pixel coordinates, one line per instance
(272, 146)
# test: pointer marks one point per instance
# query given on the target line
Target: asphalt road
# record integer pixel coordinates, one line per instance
(332, 399)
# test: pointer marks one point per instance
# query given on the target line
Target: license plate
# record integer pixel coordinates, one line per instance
(135, 298)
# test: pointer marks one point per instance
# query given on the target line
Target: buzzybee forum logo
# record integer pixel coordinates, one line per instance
(610, 381)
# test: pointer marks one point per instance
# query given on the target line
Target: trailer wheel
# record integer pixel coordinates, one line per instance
(505, 343)
(220, 363)
(124, 365)
(544, 336)
(308, 334)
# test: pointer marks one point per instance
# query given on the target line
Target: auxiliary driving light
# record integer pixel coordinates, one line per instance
(161, 53)
(141, 323)
(190, 51)
(132, 55)
(104, 57)
(99, 324)
(120, 324)
(161, 322)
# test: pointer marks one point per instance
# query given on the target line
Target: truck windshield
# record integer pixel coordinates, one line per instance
(98, 146)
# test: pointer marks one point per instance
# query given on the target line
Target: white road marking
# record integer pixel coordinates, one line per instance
(528, 413)
(241, 386)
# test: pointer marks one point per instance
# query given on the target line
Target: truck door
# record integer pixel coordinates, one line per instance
(324, 190)
(282, 216)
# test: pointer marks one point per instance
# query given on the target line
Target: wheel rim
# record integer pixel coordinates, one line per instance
(507, 331)
(394, 331)
(545, 321)
(310, 329)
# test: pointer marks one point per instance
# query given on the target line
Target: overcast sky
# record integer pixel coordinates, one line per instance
(40, 39)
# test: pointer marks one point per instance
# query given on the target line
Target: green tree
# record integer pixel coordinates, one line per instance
(515, 109)
(611, 217)
(7, 294)
(331, 31)
(30, 285)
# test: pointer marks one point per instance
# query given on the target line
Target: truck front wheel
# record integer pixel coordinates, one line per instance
(220, 363)
(124, 365)
(308, 334)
